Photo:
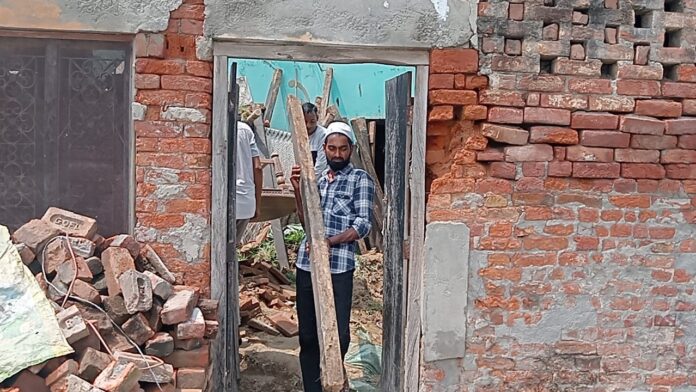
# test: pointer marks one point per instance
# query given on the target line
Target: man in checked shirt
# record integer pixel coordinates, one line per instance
(346, 202)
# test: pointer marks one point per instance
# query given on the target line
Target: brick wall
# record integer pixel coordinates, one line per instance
(172, 113)
(568, 146)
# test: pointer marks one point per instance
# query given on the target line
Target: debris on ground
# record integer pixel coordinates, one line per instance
(132, 328)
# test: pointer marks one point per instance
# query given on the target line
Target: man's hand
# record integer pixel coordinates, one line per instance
(309, 248)
(295, 177)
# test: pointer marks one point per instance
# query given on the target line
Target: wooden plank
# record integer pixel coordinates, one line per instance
(327, 328)
(223, 372)
(376, 236)
(417, 236)
(272, 95)
(326, 94)
(372, 128)
(397, 102)
(322, 53)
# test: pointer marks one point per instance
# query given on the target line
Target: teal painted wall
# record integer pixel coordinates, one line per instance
(357, 89)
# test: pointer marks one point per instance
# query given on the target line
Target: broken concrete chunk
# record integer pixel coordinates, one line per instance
(157, 264)
(137, 291)
(157, 372)
(160, 345)
(178, 307)
(73, 383)
(67, 368)
(160, 287)
(116, 261)
(124, 241)
(138, 329)
(92, 362)
(25, 253)
(95, 265)
(82, 247)
(72, 325)
(118, 377)
(193, 328)
(86, 291)
(116, 308)
(66, 271)
(71, 223)
(35, 234)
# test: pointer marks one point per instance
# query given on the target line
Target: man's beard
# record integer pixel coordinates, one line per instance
(337, 164)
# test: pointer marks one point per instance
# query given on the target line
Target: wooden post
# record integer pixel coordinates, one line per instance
(326, 93)
(372, 126)
(331, 363)
(272, 96)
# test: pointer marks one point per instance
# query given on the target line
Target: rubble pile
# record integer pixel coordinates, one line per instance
(266, 299)
(131, 326)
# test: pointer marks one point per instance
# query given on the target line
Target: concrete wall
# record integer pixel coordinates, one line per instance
(112, 16)
(397, 23)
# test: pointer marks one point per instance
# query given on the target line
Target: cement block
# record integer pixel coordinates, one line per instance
(445, 284)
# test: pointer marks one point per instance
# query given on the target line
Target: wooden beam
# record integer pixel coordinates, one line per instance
(272, 96)
(326, 94)
(417, 238)
(331, 362)
(372, 127)
(397, 102)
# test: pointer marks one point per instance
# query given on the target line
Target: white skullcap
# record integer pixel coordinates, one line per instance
(342, 128)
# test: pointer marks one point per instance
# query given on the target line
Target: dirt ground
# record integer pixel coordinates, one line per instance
(270, 363)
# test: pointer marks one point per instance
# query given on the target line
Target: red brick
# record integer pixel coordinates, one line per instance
(560, 169)
(649, 88)
(116, 261)
(452, 185)
(199, 101)
(689, 107)
(189, 11)
(502, 98)
(564, 101)
(584, 120)
(545, 243)
(604, 138)
(160, 97)
(441, 81)
(611, 103)
(516, 11)
(452, 97)
(553, 135)
(687, 142)
(566, 66)
(504, 134)
(159, 67)
(505, 115)
(541, 83)
(475, 82)
(577, 52)
(651, 142)
(193, 27)
(642, 125)
(503, 170)
(678, 156)
(681, 126)
(658, 108)
(156, 129)
(589, 86)
(454, 61)
(589, 154)
(529, 153)
(641, 55)
(186, 83)
(626, 70)
(441, 113)
(533, 169)
(678, 90)
(636, 156)
(596, 170)
(686, 73)
(490, 154)
(199, 68)
(546, 116)
(474, 112)
(513, 47)
(147, 81)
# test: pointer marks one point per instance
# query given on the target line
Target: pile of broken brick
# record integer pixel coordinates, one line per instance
(266, 299)
(131, 327)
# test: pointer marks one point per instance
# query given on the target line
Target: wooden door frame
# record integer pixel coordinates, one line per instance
(338, 54)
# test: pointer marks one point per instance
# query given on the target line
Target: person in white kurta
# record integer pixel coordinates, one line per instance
(249, 176)
(317, 134)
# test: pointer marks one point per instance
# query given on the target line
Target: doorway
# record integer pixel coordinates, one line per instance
(401, 278)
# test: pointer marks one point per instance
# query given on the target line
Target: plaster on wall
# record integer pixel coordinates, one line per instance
(397, 23)
(108, 16)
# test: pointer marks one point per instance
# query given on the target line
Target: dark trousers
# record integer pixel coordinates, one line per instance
(309, 340)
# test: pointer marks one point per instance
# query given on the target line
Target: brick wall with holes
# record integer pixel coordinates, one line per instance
(172, 116)
(567, 143)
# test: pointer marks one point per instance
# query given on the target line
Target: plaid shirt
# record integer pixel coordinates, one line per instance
(346, 202)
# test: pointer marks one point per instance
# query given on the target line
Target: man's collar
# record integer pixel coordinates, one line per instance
(328, 172)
